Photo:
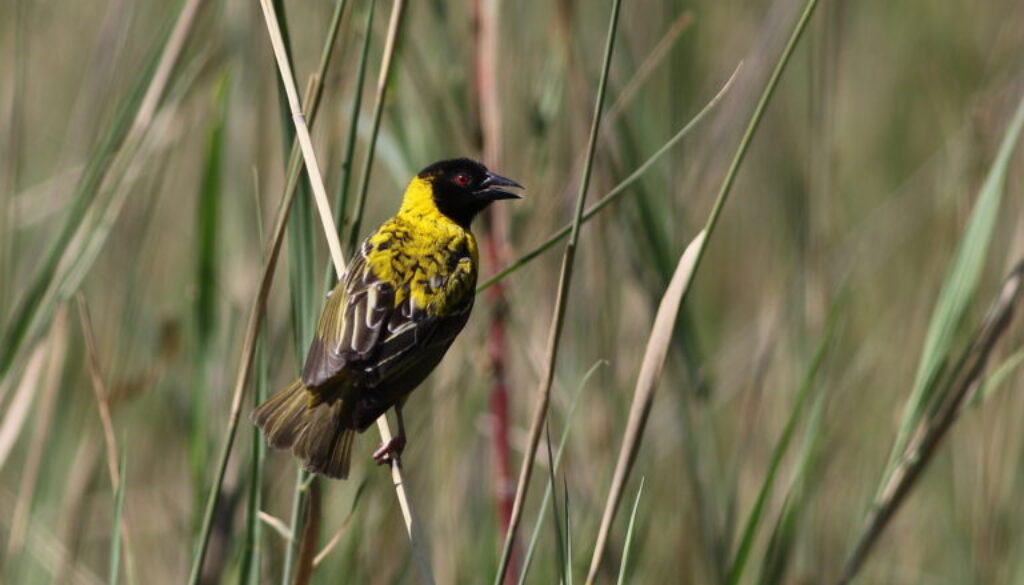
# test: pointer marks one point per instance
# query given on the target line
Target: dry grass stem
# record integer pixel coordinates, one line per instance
(100, 392)
(37, 444)
(279, 526)
(21, 403)
(964, 380)
(327, 219)
(643, 395)
(165, 67)
(106, 421)
(302, 134)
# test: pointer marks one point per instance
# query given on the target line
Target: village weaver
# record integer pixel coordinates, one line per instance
(405, 297)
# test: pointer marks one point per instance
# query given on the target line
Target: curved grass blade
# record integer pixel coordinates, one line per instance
(780, 543)
(123, 136)
(629, 534)
(115, 537)
(778, 454)
(994, 380)
(561, 534)
(617, 191)
(546, 500)
(643, 395)
(957, 386)
(958, 288)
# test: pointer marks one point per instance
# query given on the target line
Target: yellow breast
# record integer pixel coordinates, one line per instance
(425, 255)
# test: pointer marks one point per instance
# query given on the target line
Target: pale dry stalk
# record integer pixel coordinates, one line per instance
(333, 242)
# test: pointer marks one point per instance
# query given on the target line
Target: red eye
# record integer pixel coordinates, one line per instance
(462, 179)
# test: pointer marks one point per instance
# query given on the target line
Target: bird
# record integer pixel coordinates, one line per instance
(389, 321)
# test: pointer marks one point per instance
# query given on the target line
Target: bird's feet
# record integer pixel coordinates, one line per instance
(389, 451)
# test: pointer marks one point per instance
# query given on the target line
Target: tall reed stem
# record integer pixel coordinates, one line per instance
(323, 207)
(558, 319)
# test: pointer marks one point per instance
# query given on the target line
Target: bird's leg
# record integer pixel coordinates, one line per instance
(393, 448)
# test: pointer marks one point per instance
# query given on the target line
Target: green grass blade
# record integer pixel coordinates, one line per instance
(959, 287)
(249, 568)
(395, 26)
(997, 377)
(752, 126)
(780, 544)
(779, 453)
(345, 179)
(115, 536)
(300, 223)
(252, 327)
(36, 305)
(628, 545)
(615, 193)
(546, 500)
(568, 530)
(561, 560)
(207, 223)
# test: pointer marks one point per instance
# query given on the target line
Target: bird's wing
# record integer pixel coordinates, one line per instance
(366, 337)
(350, 325)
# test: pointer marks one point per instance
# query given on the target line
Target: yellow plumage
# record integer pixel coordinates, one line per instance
(417, 248)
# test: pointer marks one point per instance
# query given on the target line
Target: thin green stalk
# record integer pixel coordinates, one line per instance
(629, 534)
(558, 319)
(12, 147)
(32, 312)
(546, 500)
(249, 570)
(779, 453)
(779, 550)
(616, 192)
(115, 537)
(397, 11)
(207, 214)
(295, 522)
(300, 264)
(748, 134)
(345, 180)
(561, 537)
(252, 330)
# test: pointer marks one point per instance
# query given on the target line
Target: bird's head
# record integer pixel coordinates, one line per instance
(461, 188)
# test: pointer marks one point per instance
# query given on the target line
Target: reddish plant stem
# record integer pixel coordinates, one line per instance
(485, 14)
(496, 355)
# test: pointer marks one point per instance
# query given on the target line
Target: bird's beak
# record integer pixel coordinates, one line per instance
(490, 188)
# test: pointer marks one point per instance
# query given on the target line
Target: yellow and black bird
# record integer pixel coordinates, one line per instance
(389, 321)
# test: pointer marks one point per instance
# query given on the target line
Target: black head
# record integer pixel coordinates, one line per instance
(463, 188)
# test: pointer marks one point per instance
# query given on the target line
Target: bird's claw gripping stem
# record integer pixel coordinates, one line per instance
(390, 450)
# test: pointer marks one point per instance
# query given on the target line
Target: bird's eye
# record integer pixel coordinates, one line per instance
(462, 179)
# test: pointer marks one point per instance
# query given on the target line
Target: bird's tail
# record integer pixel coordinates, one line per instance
(316, 433)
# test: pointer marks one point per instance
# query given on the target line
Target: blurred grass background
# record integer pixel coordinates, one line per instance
(860, 182)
